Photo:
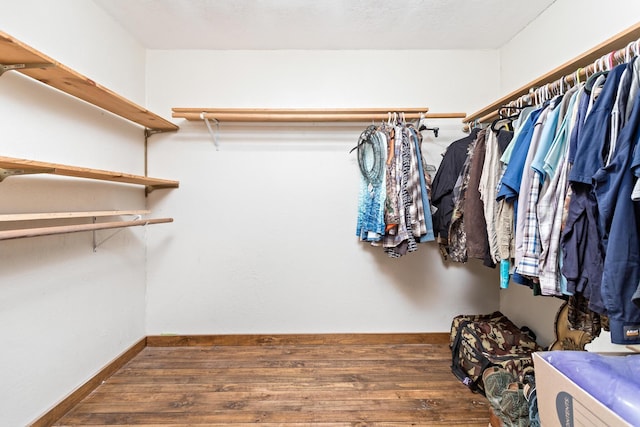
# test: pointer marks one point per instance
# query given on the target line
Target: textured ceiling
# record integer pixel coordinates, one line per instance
(323, 24)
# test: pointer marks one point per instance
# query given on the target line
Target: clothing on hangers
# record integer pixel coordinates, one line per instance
(443, 184)
(394, 210)
(555, 202)
(568, 176)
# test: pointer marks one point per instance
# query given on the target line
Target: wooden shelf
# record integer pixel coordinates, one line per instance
(67, 215)
(64, 229)
(14, 55)
(14, 166)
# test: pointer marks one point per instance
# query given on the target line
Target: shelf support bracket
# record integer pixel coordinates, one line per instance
(214, 135)
(6, 173)
(147, 134)
(8, 67)
(95, 238)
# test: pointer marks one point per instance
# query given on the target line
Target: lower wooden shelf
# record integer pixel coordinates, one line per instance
(67, 215)
(10, 166)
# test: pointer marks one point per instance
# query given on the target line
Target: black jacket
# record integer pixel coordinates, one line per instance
(444, 181)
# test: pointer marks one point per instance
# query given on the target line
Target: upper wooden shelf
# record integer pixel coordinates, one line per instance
(15, 55)
(10, 166)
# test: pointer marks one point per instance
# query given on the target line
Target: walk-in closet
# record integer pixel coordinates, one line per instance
(234, 212)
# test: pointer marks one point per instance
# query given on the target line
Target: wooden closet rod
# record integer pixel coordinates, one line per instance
(615, 46)
(47, 231)
(304, 115)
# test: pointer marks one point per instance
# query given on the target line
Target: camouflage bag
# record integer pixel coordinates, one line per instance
(480, 341)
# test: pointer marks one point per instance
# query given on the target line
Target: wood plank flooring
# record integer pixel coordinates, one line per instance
(286, 385)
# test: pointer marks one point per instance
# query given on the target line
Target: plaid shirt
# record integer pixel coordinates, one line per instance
(526, 239)
(418, 225)
(528, 263)
(551, 204)
(550, 210)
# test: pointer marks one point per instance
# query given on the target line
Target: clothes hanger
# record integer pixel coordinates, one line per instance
(592, 79)
(603, 63)
(435, 130)
(562, 86)
(611, 58)
(423, 126)
(507, 120)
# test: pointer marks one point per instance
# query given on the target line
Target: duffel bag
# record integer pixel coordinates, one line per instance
(489, 340)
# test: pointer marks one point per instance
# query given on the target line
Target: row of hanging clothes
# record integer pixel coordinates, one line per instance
(394, 209)
(551, 194)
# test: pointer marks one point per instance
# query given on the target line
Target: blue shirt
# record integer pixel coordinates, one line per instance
(546, 139)
(621, 272)
(594, 138)
(510, 183)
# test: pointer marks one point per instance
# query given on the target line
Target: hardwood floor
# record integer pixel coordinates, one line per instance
(331, 384)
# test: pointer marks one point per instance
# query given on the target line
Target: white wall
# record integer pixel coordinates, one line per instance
(264, 234)
(563, 31)
(66, 311)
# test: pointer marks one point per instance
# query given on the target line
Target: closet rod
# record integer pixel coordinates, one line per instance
(299, 110)
(48, 231)
(615, 45)
(304, 115)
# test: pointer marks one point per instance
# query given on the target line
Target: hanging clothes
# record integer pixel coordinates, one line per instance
(583, 252)
(526, 216)
(457, 234)
(394, 209)
(399, 241)
(495, 144)
(621, 266)
(475, 224)
(556, 202)
(561, 213)
(371, 159)
(553, 169)
(443, 184)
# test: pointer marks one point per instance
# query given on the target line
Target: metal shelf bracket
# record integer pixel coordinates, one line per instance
(6, 173)
(95, 238)
(8, 67)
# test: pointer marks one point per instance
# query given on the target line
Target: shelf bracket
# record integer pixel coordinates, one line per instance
(149, 132)
(8, 67)
(6, 173)
(214, 135)
(95, 239)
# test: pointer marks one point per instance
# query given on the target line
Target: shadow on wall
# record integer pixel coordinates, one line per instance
(427, 280)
